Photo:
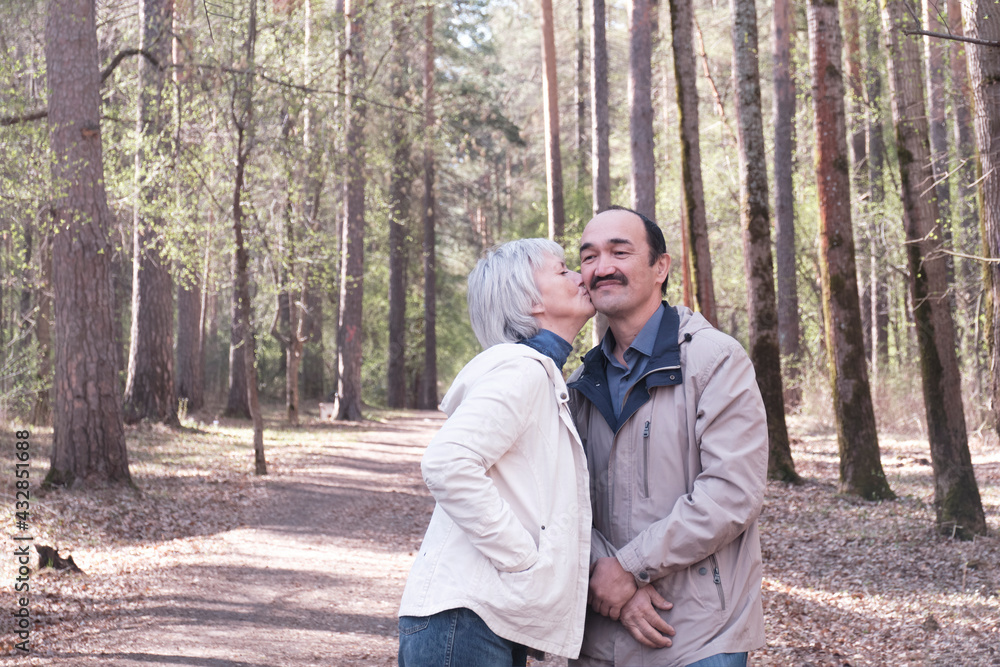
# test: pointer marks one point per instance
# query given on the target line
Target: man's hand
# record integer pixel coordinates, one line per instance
(641, 620)
(611, 586)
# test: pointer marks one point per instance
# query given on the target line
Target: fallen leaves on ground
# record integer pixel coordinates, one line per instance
(846, 582)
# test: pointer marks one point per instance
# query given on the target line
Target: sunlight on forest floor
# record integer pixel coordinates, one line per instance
(846, 582)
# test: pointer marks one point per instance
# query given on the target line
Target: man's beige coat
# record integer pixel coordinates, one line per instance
(676, 493)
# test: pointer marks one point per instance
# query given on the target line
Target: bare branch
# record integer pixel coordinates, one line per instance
(122, 55)
(23, 118)
(956, 38)
(38, 114)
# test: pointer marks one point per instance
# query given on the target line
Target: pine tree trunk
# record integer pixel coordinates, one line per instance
(860, 466)
(783, 27)
(700, 258)
(88, 437)
(349, 332)
(149, 389)
(956, 495)
(427, 389)
(553, 155)
(983, 22)
(600, 148)
(399, 210)
(755, 219)
(640, 96)
(581, 100)
(600, 151)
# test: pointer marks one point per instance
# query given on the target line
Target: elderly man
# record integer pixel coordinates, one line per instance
(676, 439)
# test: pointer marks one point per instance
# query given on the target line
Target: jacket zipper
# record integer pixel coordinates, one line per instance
(643, 377)
(645, 460)
(718, 581)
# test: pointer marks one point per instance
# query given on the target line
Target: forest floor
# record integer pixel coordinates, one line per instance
(208, 565)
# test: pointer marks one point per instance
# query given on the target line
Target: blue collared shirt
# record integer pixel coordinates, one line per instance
(622, 378)
(551, 345)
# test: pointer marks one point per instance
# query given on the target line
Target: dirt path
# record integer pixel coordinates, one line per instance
(316, 580)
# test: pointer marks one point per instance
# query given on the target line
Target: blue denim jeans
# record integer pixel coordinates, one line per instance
(455, 638)
(722, 660)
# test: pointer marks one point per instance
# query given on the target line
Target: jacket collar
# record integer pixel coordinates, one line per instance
(663, 369)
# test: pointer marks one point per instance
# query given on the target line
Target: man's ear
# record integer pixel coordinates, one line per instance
(663, 268)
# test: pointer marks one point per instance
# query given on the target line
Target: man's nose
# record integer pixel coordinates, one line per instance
(603, 268)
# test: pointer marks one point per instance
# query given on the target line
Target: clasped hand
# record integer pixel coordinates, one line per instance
(613, 593)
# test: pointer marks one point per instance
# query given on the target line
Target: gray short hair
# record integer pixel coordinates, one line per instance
(502, 290)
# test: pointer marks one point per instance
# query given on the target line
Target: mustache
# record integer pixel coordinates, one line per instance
(616, 277)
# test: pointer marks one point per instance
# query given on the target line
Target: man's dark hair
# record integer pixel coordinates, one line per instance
(654, 236)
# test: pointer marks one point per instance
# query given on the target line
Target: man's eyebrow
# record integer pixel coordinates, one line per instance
(616, 241)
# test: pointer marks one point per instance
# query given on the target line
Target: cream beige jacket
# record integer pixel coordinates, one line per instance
(510, 534)
(677, 487)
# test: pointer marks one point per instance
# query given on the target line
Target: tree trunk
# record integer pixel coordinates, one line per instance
(600, 151)
(860, 466)
(600, 148)
(694, 219)
(982, 22)
(553, 156)
(243, 107)
(88, 437)
(190, 350)
(427, 380)
(349, 332)
(313, 351)
(876, 196)
(190, 367)
(399, 211)
(755, 219)
(965, 206)
(937, 100)
(237, 403)
(956, 495)
(783, 27)
(581, 100)
(855, 90)
(640, 96)
(41, 410)
(149, 389)
(310, 307)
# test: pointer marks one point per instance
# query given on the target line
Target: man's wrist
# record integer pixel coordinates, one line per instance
(630, 562)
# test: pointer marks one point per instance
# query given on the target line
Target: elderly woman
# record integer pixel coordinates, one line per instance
(504, 564)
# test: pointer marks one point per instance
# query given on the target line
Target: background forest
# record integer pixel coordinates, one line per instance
(329, 172)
